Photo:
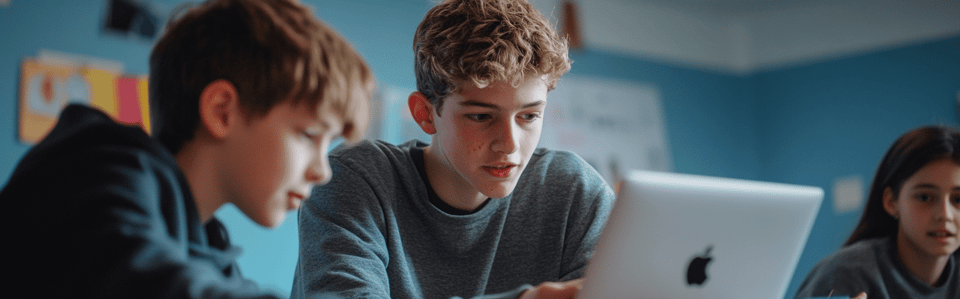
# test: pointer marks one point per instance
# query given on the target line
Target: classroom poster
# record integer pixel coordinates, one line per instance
(616, 126)
(46, 87)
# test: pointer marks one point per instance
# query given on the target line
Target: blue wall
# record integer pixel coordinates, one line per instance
(712, 119)
(837, 118)
(804, 124)
(71, 27)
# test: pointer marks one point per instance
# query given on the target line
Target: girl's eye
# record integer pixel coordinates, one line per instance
(923, 197)
(955, 199)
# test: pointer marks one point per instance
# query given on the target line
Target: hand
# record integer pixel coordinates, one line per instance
(554, 290)
(860, 296)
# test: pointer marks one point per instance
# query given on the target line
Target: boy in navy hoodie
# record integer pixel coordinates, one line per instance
(246, 97)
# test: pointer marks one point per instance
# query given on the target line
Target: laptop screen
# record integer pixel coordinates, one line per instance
(688, 236)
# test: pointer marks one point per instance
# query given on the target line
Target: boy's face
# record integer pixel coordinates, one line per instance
(277, 159)
(486, 136)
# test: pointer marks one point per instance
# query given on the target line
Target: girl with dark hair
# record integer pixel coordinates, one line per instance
(905, 245)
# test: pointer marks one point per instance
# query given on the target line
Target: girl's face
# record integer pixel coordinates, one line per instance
(928, 208)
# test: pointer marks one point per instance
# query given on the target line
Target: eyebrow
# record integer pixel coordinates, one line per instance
(469, 103)
(323, 124)
(932, 186)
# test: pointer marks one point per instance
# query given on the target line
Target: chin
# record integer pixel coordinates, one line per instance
(500, 191)
(271, 221)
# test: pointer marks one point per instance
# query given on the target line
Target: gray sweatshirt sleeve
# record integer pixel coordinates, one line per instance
(513, 294)
(343, 251)
(588, 218)
(590, 198)
(850, 271)
(830, 280)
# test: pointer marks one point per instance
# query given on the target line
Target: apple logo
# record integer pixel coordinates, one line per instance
(697, 270)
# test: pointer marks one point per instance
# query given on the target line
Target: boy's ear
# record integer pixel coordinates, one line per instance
(890, 203)
(422, 112)
(219, 108)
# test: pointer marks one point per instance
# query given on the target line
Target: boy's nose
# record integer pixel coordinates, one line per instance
(319, 171)
(506, 141)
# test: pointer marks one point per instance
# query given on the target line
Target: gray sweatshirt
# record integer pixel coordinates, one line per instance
(872, 266)
(373, 232)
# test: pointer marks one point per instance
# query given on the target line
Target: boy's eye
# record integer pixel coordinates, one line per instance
(311, 134)
(478, 117)
(530, 116)
(955, 199)
(923, 197)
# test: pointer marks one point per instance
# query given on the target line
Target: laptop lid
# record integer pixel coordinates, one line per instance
(688, 236)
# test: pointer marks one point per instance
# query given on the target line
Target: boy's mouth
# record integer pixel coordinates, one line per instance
(941, 233)
(295, 200)
(500, 171)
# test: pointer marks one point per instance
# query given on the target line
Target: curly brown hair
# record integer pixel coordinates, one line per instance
(482, 41)
(272, 51)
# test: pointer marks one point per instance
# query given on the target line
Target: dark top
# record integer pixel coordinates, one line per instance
(101, 210)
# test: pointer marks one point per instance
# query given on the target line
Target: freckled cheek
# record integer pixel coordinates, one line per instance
(476, 145)
(470, 139)
(472, 143)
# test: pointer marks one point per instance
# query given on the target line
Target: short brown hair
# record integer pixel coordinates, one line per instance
(272, 51)
(482, 41)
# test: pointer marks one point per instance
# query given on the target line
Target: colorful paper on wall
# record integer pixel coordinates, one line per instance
(47, 87)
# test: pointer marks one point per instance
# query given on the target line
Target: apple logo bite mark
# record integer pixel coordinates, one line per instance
(697, 270)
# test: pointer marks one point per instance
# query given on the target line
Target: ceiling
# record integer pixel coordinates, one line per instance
(738, 6)
(745, 36)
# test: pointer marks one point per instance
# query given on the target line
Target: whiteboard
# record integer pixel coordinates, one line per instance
(614, 125)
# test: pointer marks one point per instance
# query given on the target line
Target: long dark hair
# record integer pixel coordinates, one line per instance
(905, 157)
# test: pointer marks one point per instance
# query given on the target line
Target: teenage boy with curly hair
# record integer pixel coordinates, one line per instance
(480, 211)
(246, 96)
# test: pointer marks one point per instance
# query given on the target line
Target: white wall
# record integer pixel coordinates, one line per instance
(746, 36)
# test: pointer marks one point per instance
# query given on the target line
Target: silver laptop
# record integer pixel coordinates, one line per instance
(687, 236)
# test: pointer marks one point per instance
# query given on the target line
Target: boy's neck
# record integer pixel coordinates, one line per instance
(197, 165)
(925, 267)
(449, 185)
